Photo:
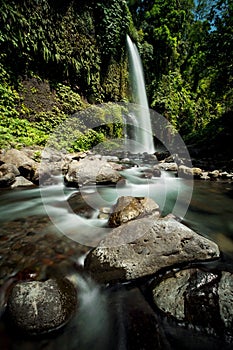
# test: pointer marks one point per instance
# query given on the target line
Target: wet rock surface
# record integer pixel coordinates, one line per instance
(129, 208)
(201, 299)
(39, 307)
(144, 246)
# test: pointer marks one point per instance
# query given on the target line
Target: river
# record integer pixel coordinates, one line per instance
(107, 319)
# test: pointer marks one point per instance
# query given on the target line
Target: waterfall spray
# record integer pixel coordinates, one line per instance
(143, 136)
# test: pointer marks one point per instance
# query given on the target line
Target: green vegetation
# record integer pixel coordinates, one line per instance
(60, 57)
(187, 56)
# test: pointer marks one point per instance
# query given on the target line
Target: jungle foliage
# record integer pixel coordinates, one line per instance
(58, 57)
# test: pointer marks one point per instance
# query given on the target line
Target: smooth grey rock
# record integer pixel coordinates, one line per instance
(129, 208)
(142, 247)
(40, 307)
(91, 170)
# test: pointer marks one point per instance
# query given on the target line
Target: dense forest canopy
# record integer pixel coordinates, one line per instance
(57, 57)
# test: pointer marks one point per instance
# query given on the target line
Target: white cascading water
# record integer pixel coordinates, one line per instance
(143, 135)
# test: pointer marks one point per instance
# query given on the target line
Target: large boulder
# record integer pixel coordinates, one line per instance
(200, 298)
(40, 307)
(23, 163)
(91, 170)
(129, 208)
(144, 246)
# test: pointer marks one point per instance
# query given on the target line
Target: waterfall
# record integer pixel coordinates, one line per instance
(143, 136)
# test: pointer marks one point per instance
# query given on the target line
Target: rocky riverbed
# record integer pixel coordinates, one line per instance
(29, 166)
(150, 276)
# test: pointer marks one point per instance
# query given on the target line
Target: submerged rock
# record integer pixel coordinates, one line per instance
(144, 246)
(129, 208)
(40, 307)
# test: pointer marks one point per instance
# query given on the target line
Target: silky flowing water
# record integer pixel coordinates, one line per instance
(110, 317)
(142, 135)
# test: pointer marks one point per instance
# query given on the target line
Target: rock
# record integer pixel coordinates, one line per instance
(20, 181)
(172, 159)
(104, 213)
(113, 159)
(149, 173)
(77, 155)
(200, 298)
(7, 180)
(24, 164)
(144, 246)
(150, 158)
(40, 307)
(44, 174)
(168, 166)
(156, 171)
(187, 172)
(91, 170)
(9, 168)
(79, 205)
(161, 155)
(197, 173)
(214, 174)
(116, 166)
(129, 208)
(224, 175)
(129, 162)
(204, 176)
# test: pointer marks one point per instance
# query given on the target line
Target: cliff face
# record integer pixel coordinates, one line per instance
(79, 44)
(57, 58)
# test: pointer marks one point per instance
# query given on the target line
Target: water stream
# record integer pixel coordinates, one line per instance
(106, 317)
(210, 211)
